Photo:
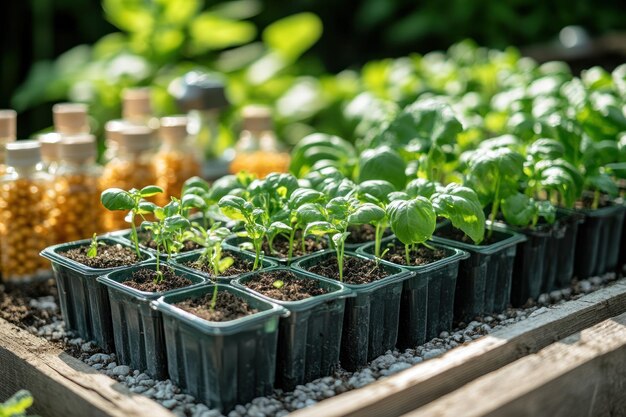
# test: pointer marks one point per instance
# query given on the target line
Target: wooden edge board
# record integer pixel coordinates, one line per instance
(429, 380)
(62, 385)
(582, 375)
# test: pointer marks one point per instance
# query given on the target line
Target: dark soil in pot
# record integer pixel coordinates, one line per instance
(239, 266)
(458, 235)
(227, 307)
(281, 246)
(355, 270)
(419, 255)
(292, 289)
(363, 233)
(145, 239)
(144, 280)
(109, 256)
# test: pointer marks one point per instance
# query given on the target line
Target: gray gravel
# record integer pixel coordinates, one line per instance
(281, 403)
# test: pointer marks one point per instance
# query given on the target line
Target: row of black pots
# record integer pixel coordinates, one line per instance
(148, 332)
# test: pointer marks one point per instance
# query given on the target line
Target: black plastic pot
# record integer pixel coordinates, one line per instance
(138, 328)
(559, 264)
(483, 284)
(184, 259)
(598, 242)
(370, 324)
(234, 242)
(84, 302)
(427, 306)
(309, 339)
(221, 364)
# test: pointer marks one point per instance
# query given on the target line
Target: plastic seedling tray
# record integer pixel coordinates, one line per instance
(137, 328)
(234, 242)
(370, 325)
(309, 339)
(84, 302)
(225, 363)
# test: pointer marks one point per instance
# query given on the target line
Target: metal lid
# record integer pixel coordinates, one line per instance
(173, 128)
(256, 118)
(8, 119)
(136, 138)
(136, 103)
(23, 153)
(70, 118)
(198, 91)
(49, 144)
(78, 148)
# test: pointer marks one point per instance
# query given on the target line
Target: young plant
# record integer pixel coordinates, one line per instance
(167, 232)
(92, 252)
(377, 192)
(237, 208)
(132, 201)
(461, 206)
(211, 240)
(340, 213)
(303, 209)
(412, 221)
(17, 405)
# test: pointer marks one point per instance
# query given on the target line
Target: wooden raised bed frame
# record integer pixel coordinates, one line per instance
(66, 387)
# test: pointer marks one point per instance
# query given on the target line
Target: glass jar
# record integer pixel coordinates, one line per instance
(76, 212)
(26, 196)
(176, 160)
(8, 119)
(70, 119)
(258, 151)
(49, 147)
(131, 167)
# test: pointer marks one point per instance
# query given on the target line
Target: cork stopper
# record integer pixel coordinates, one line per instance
(256, 118)
(198, 91)
(78, 148)
(136, 103)
(136, 139)
(23, 153)
(173, 129)
(49, 144)
(8, 120)
(113, 130)
(70, 118)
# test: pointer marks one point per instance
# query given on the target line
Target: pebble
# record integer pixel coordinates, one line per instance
(585, 286)
(539, 311)
(88, 347)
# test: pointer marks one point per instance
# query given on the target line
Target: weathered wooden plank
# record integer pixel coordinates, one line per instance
(62, 385)
(432, 379)
(582, 375)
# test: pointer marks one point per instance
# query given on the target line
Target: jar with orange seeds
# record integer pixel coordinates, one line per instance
(258, 150)
(130, 167)
(76, 212)
(8, 120)
(26, 196)
(176, 160)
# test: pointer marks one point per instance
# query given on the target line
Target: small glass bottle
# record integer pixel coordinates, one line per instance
(76, 214)
(8, 119)
(130, 168)
(204, 98)
(26, 195)
(70, 119)
(49, 148)
(258, 151)
(176, 160)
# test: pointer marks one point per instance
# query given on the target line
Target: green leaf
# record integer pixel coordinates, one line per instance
(303, 196)
(209, 31)
(379, 189)
(278, 284)
(17, 405)
(176, 223)
(412, 221)
(225, 263)
(280, 227)
(462, 207)
(293, 35)
(603, 183)
(150, 191)
(233, 207)
(196, 182)
(519, 210)
(320, 228)
(146, 207)
(172, 208)
(193, 201)
(420, 186)
(117, 199)
(382, 163)
(366, 213)
(339, 238)
(224, 186)
(309, 213)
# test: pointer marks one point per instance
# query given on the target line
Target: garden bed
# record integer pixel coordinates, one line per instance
(511, 335)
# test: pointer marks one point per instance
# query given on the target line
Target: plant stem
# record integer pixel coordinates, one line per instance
(292, 234)
(596, 200)
(214, 298)
(407, 250)
(495, 207)
(340, 252)
(377, 239)
(134, 236)
(257, 254)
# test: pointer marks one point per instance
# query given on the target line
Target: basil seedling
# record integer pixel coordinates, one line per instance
(133, 201)
(92, 252)
(412, 221)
